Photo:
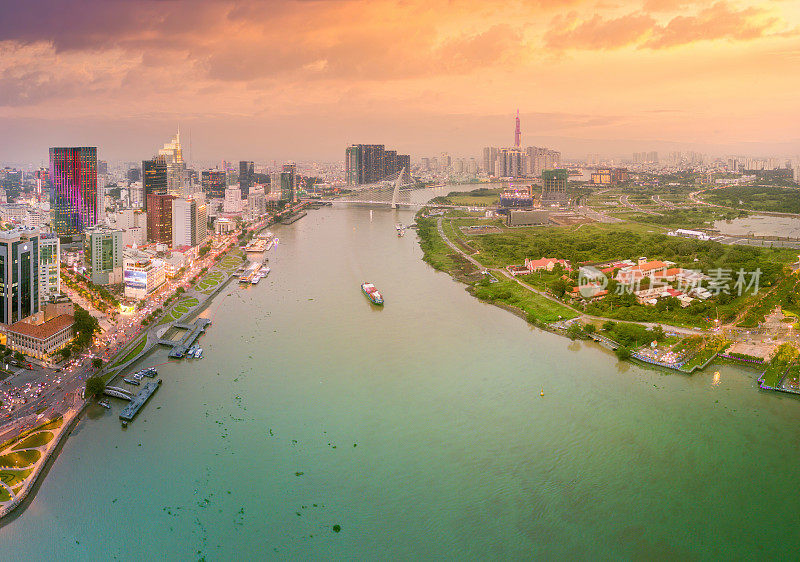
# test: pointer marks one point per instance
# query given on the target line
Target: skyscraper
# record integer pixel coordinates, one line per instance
(213, 182)
(73, 197)
(489, 160)
(289, 182)
(154, 174)
(159, 218)
(184, 222)
(246, 176)
(371, 163)
(517, 133)
(172, 153)
(19, 273)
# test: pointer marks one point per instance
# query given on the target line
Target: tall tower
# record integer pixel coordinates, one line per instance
(73, 205)
(517, 133)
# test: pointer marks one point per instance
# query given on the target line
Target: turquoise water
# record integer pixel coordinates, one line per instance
(419, 429)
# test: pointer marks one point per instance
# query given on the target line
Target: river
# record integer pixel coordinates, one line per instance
(418, 428)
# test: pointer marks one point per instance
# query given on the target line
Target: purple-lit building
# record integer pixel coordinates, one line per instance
(73, 196)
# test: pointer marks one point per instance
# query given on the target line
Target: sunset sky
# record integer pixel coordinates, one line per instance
(273, 79)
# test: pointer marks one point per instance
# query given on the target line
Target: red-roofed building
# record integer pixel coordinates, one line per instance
(546, 263)
(644, 269)
(41, 340)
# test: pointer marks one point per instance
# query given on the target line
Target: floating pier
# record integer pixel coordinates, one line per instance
(179, 348)
(293, 217)
(130, 411)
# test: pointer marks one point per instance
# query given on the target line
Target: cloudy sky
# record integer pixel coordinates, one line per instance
(300, 79)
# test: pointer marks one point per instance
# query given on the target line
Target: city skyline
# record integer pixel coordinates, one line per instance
(300, 80)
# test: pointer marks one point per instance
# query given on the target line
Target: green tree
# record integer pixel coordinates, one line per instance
(574, 331)
(622, 352)
(19, 357)
(95, 386)
(97, 362)
(559, 287)
(85, 327)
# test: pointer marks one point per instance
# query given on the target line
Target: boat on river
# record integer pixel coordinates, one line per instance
(372, 293)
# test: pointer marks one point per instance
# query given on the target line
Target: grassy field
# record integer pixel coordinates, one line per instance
(437, 253)
(35, 440)
(758, 198)
(537, 308)
(132, 353)
(20, 459)
(482, 197)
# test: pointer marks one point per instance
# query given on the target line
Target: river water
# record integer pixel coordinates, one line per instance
(419, 429)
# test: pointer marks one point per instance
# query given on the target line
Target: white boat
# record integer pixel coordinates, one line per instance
(255, 279)
(199, 353)
(105, 404)
(265, 271)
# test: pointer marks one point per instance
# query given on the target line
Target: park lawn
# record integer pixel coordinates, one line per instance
(772, 376)
(133, 353)
(20, 459)
(536, 307)
(55, 424)
(13, 478)
(36, 440)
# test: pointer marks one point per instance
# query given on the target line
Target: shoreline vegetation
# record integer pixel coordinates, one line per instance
(692, 338)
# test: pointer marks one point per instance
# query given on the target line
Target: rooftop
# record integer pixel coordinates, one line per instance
(42, 331)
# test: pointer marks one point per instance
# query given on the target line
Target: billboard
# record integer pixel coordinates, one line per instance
(135, 279)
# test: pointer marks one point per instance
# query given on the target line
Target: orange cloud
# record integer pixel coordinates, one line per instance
(598, 33)
(720, 21)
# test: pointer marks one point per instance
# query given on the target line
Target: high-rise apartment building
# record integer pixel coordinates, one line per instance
(233, 200)
(103, 253)
(49, 266)
(213, 182)
(289, 182)
(489, 160)
(184, 222)
(159, 218)
(73, 197)
(246, 177)
(201, 222)
(154, 178)
(510, 163)
(371, 163)
(19, 274)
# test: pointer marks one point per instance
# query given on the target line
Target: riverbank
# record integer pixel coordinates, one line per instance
(188, 305)
(496, 286)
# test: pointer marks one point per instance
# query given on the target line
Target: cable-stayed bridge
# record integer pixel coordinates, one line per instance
(393, 191)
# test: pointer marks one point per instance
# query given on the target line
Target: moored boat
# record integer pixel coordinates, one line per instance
(372, 293)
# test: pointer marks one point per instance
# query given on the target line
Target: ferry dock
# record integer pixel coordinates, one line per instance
(133, 407)
(193, 331)
(293, 217)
